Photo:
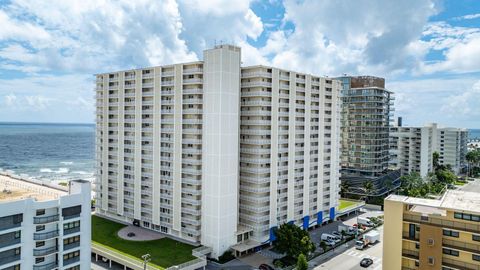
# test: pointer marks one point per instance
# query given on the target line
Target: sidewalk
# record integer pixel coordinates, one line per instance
(330, 254)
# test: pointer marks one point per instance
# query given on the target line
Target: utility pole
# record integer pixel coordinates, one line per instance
(146, 258)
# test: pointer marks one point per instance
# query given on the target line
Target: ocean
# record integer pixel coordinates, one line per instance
(474, 134)
(48, 151)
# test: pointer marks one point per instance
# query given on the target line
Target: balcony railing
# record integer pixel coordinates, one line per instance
(44, 236)
(410, 254)
(44, 251)
(43, 220)
(10, 259)
(70, 261)
(47, 266)
(71, 216)
(10, 242)
(71, 230)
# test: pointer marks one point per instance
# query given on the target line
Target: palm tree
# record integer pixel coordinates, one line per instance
(368, 188)
(344, 188)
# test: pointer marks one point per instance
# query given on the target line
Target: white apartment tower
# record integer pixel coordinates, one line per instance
(190, 149)
(289, 157)
(44, 228)
(451, 144)
(411, 149)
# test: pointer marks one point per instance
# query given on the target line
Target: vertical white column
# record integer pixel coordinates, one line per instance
(321, 144)
(335, 141)
(291, 149)
(177, 148)
(274, 149)
(220, 172)
(307, 142)
(105, 144)
(137, 196)
(157, 97)
(120, 137)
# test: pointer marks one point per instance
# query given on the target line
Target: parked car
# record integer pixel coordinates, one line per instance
(330, 242)
(326, 236)
(337, 234)
(366, 262)
(265, 266)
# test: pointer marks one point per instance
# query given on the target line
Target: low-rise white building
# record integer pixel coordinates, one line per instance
(44, 228)
(451, 144)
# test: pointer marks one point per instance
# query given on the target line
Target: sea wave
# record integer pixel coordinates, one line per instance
(62, 170)
(66, 162)
(46, 170)
(82, 172)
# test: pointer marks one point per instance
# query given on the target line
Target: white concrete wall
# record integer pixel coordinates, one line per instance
(221, 97)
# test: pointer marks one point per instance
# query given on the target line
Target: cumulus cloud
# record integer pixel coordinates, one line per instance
(464, 105)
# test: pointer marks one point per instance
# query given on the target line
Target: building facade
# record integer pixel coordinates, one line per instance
(411, 149)
(185, 149)
(289, 149)
(430, 234)
(451, 144)
(367, 108)
(41, 228)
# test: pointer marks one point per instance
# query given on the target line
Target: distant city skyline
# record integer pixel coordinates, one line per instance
(428, 51)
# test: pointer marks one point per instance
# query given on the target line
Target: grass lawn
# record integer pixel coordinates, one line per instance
(344, 204)
(460, 183)
(165, 252)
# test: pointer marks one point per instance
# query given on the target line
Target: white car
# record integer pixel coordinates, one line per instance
(330, 243)
(339, 235)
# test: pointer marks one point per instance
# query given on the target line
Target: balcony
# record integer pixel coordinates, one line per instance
(71, 230)
(47, 266)
(45, 251)
(70, 261)
(10, 259)
(10, 242)
(410, 254)
(44, 220)
(45, 236)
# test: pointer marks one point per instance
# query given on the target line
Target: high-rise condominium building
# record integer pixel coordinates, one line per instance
(411, 149)
(366, 113)
(44, 228)
(451, 144)
(289, 156)
(432, 234)
(214, 153)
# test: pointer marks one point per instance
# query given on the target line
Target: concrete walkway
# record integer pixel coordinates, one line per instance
(141, 234)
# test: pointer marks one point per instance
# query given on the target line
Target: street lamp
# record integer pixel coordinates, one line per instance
(146, 258)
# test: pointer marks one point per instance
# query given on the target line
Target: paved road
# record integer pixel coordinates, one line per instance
(350, 259)
(473, 186)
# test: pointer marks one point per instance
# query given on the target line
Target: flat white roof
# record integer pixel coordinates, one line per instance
(451, 200)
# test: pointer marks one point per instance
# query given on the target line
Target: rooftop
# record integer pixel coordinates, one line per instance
(452, 200)
(12, 189)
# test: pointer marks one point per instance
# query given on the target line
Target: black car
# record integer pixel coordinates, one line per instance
(366, 262)
(264, 266)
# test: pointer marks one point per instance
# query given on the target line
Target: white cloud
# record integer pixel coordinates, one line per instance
(468, 17)
(10, 100)
(464, 105)
(334, 37)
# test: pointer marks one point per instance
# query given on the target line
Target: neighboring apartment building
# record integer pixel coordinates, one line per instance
(365, 124)
(214, 153)
(411, 149)
(451, 144)
(44, 228)
(432, 234)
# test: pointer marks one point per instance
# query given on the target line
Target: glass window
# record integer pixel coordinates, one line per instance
(458, 215)
(467, 216)
(475, 218)
(476, 237)
(476, 257)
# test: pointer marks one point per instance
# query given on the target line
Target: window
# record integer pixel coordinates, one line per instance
(464, 216)
(450, 252)
(451, 233)
(40, 228)
(430, 241)
(40, 244)
(476, 257)
(17, 234)
(71, 240)
(431, 260)
(39, 260)
(457, 215)
(476, 237)
(417, 263)
(71, 255)
(417, 245)
(40, 212)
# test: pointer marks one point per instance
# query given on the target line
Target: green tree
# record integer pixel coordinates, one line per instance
(293, 241)
(445, 176)
(368, 188)
(302, 263)
(473, 159)
(436, 157)
(344, 187)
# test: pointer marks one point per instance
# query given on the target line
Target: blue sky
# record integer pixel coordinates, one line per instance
(428, 50)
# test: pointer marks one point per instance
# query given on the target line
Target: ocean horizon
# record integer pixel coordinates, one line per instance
(48, 151)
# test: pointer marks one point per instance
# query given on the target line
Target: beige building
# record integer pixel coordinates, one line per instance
(411, 149)
(432, 234)
(215, 153)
